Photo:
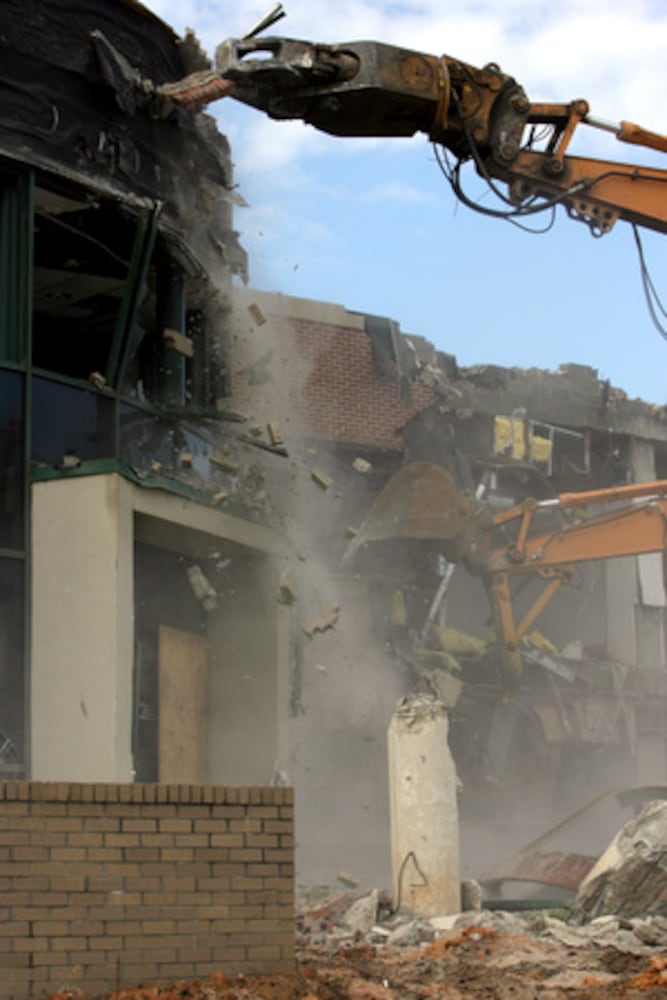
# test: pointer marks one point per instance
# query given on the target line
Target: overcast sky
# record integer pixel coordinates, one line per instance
(373, 225)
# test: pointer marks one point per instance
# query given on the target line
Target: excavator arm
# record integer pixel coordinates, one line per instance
(422, 504)
(633, 523)
(483, 115)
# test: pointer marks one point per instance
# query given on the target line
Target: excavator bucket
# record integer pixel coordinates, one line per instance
(420, 503)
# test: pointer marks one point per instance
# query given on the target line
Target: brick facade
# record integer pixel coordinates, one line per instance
(104, 886)
(327, 385)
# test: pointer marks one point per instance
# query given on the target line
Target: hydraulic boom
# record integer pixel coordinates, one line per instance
(483, 115)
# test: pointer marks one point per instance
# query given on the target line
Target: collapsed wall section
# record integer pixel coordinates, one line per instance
(108, 885)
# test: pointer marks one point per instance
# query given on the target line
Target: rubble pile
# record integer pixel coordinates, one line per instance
(353, 947)
(629, 878)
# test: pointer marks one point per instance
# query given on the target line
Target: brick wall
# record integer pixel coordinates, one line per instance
(326, 384)
(104, 886)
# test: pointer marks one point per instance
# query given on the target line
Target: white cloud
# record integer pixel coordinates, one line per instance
(397, 191)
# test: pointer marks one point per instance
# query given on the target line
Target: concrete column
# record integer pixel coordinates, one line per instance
(423, 809)
(82, 613)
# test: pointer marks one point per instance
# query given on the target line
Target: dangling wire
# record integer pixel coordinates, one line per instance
(535, 205)
(530, 207)
(655, 306)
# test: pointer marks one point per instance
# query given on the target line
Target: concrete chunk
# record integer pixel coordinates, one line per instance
(322, 480)
(631, 875)
(324, 621)
(179, 342)
(363, 913)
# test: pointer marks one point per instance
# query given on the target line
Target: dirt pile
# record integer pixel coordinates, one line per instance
(535, 956)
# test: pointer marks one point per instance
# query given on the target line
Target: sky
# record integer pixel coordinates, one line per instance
(373, 225)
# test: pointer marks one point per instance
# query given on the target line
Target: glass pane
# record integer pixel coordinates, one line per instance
(11, 460)
(70, 424)
(152, 443)
(15, 266)
(12, 694)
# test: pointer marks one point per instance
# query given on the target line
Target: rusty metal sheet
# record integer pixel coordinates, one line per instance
(558, 869)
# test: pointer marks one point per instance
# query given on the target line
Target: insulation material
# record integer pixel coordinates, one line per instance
(511, 436)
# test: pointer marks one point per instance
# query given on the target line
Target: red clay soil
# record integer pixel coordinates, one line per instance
(479, 963)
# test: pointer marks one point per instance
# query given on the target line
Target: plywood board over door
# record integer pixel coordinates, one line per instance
(182, 707)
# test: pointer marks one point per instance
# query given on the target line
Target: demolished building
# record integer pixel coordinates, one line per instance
(124, 520)
(359, 401)
(185, 462)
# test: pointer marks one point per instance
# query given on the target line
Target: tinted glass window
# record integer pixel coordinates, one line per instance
(70, 422)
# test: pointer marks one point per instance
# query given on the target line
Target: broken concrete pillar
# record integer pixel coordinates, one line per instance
(423, 809)
(630, 877)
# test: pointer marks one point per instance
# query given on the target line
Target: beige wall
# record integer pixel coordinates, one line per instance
(83, 531)
(81, 630)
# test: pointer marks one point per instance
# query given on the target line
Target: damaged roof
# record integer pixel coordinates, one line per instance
(79, 92)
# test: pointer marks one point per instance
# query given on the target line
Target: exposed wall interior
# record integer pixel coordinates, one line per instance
(524, 434)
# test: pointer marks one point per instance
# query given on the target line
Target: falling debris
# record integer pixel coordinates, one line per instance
(631, 876)
(275, 435)
(70, 460)
(179, 342)
(202, 588)
(323, 622)
(287, 587)
(257, 314)
(347, 880)
(322, 480)
(225, 464)
(361, 465)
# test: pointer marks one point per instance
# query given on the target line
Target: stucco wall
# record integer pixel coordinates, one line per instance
(83, 532)
(81, 630)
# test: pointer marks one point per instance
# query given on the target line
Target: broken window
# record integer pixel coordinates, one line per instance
(172, 361)
(82, 256)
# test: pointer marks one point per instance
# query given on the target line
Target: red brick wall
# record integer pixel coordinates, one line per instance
(104, 886)
(326, 385)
